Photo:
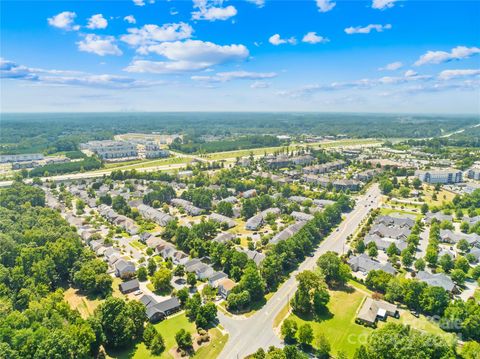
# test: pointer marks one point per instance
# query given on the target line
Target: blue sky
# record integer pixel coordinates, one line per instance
(258, 55)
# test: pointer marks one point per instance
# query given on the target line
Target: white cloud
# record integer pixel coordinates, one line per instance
(438, 57)
(325, 5)
(65, 21)
(410, 73)
(260, 85)
(100, 45)
(235, 75)
(362, 84)
(130, 19)
(259, 3)
(392, 66)
(151, 34)
(208, 10)
(383, 4)
(97, 22)
(367, 29)
(450, 74)
(277, 40)
(190, 55)
(313, 38)
(11, 70)
(139, 2)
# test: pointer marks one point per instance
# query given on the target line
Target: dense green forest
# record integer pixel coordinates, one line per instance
(51, 133)
(40, 255)
(241, 143)
(87, 164)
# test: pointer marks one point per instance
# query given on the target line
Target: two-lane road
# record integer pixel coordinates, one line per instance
(247, 335)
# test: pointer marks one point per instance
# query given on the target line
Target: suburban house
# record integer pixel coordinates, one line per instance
(224, 237)
(363, 263)
(124, 268)
(373, 310)
(225, 287)
(439, 216)
(254, 223)
(255, 256)
(155, 215)
(300, 216)
(222, 220)
(437, 280)
(287, 232)
(216, 278)
(448, 236)
(129, 286)
(187, 206)
(383, 243)
(158, 311)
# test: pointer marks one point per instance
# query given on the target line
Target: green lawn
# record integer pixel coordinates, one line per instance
(168, 328)
(339, 325)
(213, 349)
(388, 211)
(137, 244)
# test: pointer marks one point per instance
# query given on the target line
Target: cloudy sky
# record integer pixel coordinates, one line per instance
(250, 55)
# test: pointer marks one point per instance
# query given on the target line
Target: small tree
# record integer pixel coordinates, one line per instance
(157, 346)
(305, 334)
(289, 330)
(323, 347)
(152, 266)
(458, 276)
(148, 334)
(161, 279)
(183, 339)
(142, 274)
(191, 279)
(419, 264)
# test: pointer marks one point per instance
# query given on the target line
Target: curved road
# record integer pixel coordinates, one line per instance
(247, 335)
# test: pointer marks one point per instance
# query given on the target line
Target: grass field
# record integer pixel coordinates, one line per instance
(338, 325)
(442, 196)
(80, 302)
(389, 211)
(168, 328)
(145, 164)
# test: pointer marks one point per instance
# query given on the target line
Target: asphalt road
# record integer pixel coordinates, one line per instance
(246, 335)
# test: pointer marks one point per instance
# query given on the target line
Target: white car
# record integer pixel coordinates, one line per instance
(138, 292)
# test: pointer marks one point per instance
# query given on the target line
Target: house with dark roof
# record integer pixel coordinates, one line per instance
(224, 237)
(129, 286)
(437, 280)
(363, 263)
(300, 216)
(222, 220)
(124, 268)
(158, 311)
(287, 232)
(216, 278)
(254, 223)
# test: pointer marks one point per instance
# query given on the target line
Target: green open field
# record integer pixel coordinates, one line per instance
(338, 325)
(146, 163)
(168, 328)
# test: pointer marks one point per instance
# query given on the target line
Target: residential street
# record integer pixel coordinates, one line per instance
(247, 335)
